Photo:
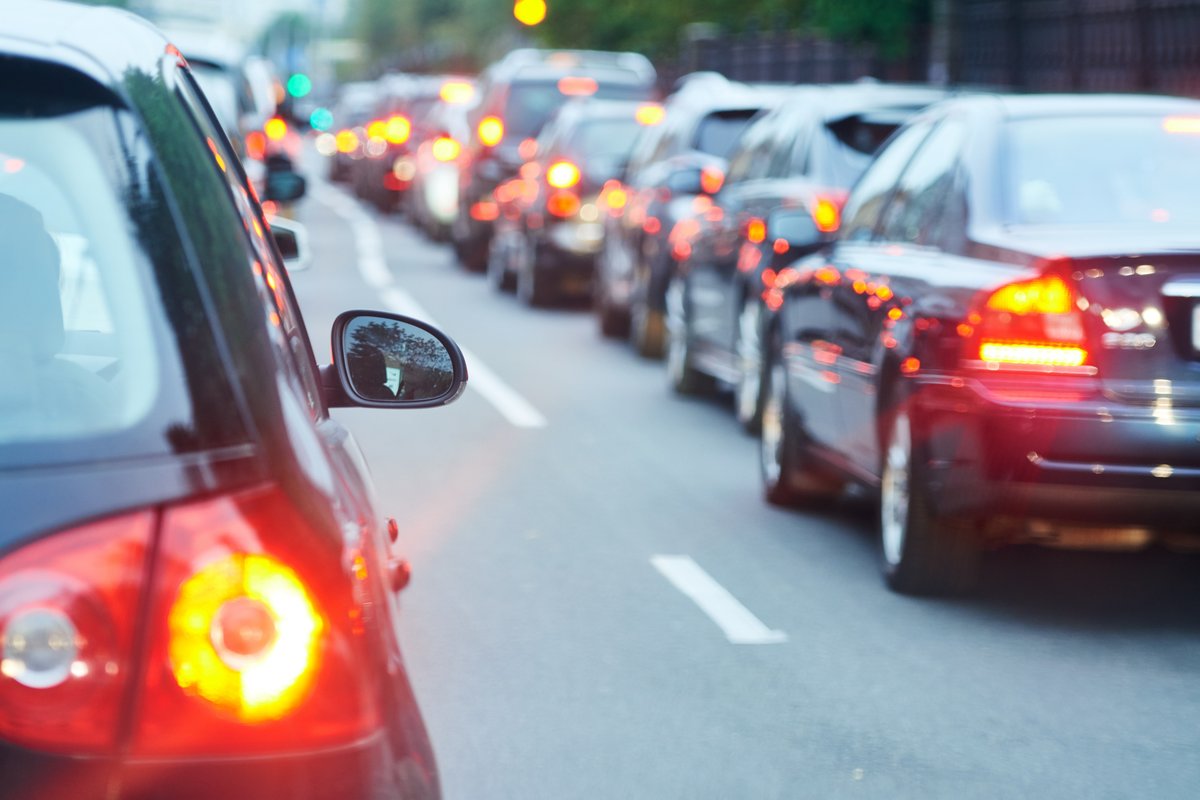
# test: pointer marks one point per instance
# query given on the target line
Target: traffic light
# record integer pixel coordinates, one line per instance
(299, 85)
(529, 12)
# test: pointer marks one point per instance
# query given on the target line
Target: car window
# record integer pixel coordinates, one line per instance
(873, 189)
(717, 133)
(283, 313)
(917, 211)
(91, 349)
(1142, 171)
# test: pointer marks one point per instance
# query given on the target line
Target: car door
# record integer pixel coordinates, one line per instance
(811, 327)
(901, 264)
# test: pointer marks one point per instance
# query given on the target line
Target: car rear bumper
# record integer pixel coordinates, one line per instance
(1080, 460)
(363, 771)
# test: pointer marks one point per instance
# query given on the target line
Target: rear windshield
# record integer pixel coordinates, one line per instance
(605, 138)
(1103, 170)
(851, 145)
(91, 368)
(718, 133)
(530, 104)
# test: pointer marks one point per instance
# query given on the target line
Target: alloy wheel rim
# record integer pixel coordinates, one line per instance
(749, 355)
(771, 435)
(676, 331)
(896, 495)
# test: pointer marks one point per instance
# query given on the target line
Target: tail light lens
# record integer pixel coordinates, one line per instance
(256, 145)
(276, 129)
(445, 149)
(377, 129)
(562, 175)
(827, 213)
(491, 131)
(67, 614)
(253, 645)
(650, 114)
(1030, 323)
(614, 197)
(756, 231)
(347, 141)
(562, 204)
(711, 180)
(398, 129)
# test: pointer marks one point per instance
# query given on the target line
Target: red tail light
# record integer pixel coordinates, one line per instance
(1030, 323)
(445, 149)
(68, 606)
(562, 204)
(491, 131)
(256, 145)
(397, 129)
(827, 214)
(253, 644)
(711, 180)
(562, 175)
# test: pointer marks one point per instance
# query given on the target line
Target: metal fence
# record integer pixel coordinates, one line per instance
(1037, 45)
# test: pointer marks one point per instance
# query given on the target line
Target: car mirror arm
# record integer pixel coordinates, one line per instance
(331, 385)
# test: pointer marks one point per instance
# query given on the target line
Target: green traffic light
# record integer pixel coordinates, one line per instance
(299, 85)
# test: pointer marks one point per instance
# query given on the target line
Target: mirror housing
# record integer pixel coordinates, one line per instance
(383, 360)
(292, 240)
(283, 183)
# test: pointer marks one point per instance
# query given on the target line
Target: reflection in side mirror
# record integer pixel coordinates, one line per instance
(389, 360)
(292, 240)
(685, 181)
(283, 184)
(794, 226)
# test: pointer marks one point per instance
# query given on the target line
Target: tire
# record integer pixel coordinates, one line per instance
(681, 373)
(748, 396)
(790, 476)
(613, 322)
(922, 553)
(499, 276)
(647, 330)
(533, 284)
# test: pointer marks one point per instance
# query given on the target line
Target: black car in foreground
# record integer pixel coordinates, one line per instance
(1005, 338)
(195, 585)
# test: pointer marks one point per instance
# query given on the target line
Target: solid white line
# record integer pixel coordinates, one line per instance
(738, 623)
(372, 264)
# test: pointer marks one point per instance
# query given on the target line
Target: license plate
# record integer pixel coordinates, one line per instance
(1196, 327)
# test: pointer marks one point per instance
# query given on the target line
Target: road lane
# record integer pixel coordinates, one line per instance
(551, 662)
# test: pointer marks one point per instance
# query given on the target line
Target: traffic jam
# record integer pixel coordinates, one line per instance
(813, 439)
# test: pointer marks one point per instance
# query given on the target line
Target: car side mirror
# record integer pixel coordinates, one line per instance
(796, 227)
(292, 240)
(283, 183)
(383, 360)
(685, 180)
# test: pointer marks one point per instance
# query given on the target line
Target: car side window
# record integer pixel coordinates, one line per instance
(748, 161)
(917, 210)
(871, 193)
(269, 274)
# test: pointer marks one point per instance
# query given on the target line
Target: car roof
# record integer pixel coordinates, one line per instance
(1055, 105)
(101, 42)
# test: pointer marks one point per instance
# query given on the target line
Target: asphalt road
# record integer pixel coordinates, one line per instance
(556, 655)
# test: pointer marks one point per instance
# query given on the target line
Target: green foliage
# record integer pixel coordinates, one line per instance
(887, 23)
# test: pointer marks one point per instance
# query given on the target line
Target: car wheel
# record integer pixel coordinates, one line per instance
(533, 284)
(683, 376)
(748, 347)
(647, 325)
(613, 321)
(499, 276)
(922, 553)
(789, 475)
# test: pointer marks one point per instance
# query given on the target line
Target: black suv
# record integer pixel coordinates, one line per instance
(519, 94)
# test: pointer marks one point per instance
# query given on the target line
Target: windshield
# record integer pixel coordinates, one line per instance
(531, 104)
(718, 133)
(1103, 171)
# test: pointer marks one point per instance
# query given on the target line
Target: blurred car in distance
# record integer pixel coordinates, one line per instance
(805, 154)
(683, 159)
(550, 227)
(518, 94)
(439, 159)
(196, 589)
(1004, 339)
(351, 111)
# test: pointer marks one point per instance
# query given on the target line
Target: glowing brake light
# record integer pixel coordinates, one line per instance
(347, 141)
(1030, 323)
(650, 114)
(376, 129)
(256, 145)
(711, 180)
(562, 204)
(491, 131)
(457, 92)
(445, 149)
(827, 214)
(276, 129)
(562, 175)
(1182, 125)
(572, 86)
(397, 129)
(756, 231)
